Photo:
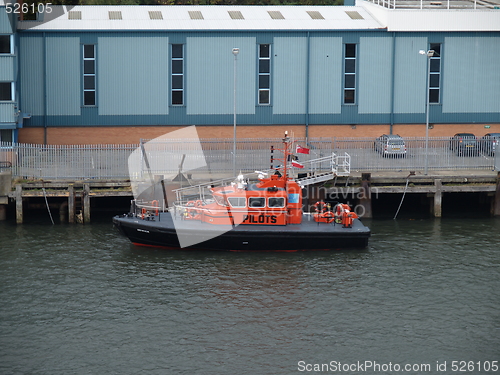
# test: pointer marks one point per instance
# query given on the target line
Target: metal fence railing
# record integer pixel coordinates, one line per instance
(111, 161)
(435, 4)
(440, 154)
(67, 162)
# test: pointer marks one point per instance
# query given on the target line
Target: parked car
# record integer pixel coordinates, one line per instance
(489, 143)
(390, 145)
(464, 144)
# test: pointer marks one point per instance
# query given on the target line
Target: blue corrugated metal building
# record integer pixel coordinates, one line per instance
(314, 67)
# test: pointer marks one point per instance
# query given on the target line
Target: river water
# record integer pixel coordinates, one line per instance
(82, 300)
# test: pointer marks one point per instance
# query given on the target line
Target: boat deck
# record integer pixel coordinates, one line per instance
(308, 225)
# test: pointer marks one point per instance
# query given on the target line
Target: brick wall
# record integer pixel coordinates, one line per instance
(132, 134)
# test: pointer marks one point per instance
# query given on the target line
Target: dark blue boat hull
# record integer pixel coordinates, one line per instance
(297, 237)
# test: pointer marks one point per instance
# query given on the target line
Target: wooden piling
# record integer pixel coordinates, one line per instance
(63, 210)
(86, 203)
(19, 204)
(71, 203)
(3, 212)
(5, 187)
(495, 210)
(438, 198)
(366, 195)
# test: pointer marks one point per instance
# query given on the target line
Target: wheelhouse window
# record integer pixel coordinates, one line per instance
(89, 75)
(256, 202)
(264, 74)
(6, 91)
(6, 44)
(237, 202)
(349, 73)
(177, 74)
(435, 73)
(277, 202)
(220, 200)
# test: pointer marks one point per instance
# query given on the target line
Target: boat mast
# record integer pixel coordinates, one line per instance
(286, 153)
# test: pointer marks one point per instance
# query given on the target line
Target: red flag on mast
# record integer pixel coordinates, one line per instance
(301, 150)
(296, 164)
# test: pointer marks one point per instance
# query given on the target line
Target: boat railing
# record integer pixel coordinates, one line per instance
(177, 209)
(342, 164)
(339, 165)
(334, 165)
(143, 207)
(200, 189)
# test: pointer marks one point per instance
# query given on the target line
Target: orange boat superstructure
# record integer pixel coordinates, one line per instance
(274, 200)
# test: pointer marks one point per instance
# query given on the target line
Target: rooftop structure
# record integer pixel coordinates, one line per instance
(435, 15)
(203, 18)
(437, 4)
(392, 15)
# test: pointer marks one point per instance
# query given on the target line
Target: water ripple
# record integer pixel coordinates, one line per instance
(82, 300)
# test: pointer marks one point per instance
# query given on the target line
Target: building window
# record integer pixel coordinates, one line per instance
(177, 74)
(435, 73)
(6, 44)
(6, 135)
(349, 73)
(7, 91)
(264, 74)
(89, 75)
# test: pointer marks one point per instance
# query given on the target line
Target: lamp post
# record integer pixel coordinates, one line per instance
(429, 54)
(235, 53)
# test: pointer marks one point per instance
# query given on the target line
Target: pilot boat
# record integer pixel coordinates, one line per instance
(266, 215)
